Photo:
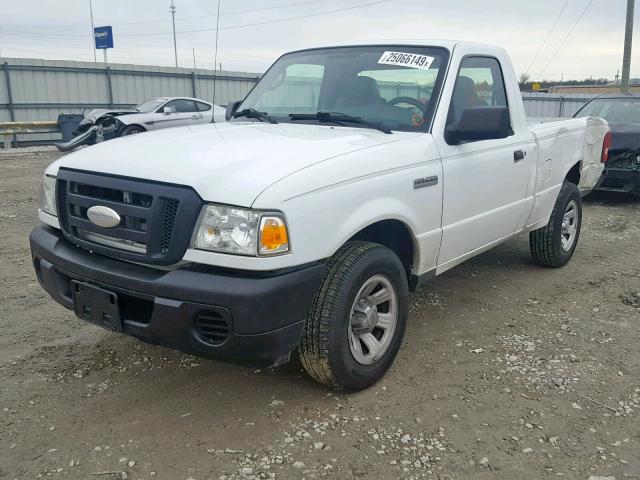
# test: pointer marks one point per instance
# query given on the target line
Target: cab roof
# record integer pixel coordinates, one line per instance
(414, 42)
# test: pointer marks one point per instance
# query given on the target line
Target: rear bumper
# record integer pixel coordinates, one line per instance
(621, 180)
(264, 313)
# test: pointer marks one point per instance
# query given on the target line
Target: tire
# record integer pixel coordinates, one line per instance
(553, 245)
(333, 349)
(131, 130)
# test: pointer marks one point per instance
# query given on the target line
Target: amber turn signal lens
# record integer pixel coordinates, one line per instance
(274, 237)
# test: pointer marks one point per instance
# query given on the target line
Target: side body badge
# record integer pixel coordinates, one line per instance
(425, 182)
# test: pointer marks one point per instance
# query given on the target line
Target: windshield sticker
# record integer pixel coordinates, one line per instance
(410, 60)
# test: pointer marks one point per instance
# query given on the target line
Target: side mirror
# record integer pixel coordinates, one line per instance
(231, 109)
(480, 123)
(167, 110)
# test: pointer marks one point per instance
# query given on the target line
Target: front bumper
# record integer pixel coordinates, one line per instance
(623, 180)
(86, 138)
(264, 312)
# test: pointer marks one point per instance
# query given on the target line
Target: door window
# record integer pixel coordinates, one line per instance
(479, 84)
(203, 107)
(181, 106)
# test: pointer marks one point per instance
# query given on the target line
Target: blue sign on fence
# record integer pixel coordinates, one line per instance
(104, 37)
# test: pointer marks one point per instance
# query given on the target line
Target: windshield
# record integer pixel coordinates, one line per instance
(149, 106)
(613, 110)
(394, 87)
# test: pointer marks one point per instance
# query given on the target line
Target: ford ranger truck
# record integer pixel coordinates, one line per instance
(344, 180)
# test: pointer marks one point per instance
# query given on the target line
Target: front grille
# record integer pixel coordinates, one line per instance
(212, 327)
(168, 219)
(156, 219)
(120, 196)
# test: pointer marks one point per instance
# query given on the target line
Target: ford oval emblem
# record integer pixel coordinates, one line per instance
(103, 217)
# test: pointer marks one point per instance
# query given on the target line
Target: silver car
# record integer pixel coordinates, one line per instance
(165, 112)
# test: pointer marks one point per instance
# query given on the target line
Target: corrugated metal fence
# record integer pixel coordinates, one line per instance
(43, 89)
(547, 105)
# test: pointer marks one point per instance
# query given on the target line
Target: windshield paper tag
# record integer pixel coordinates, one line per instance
(410, 60)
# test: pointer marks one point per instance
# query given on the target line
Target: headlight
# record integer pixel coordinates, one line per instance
(48, 195)
(241, 231)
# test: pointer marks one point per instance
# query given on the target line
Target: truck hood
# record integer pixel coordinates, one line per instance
(229, 163)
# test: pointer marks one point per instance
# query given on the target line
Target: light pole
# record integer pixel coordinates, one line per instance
(215, 62)
(628, 43)
(172, 9)
(93, 33)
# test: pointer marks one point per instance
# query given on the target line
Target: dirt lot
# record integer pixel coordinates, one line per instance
(508, 371)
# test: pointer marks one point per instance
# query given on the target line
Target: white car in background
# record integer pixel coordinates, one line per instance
(155, 114)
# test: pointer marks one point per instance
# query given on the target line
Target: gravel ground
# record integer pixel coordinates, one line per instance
(507, 371)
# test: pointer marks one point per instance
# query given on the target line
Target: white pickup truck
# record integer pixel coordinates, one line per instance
(346, 178)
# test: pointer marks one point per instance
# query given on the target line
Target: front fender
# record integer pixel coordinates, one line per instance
(369, 213)
(135, 119)
(330, 202)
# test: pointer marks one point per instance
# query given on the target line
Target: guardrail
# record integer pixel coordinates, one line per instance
(9, 130)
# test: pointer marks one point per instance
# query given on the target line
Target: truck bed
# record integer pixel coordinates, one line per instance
(578, 139)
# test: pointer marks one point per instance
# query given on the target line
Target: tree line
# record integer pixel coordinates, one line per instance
(526, 83)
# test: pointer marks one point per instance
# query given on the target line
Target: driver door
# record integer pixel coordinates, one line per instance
(177, 113)
(485, 181)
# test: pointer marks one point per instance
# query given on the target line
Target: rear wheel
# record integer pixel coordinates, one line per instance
(131, 130)
(356, 323)
(554, 245)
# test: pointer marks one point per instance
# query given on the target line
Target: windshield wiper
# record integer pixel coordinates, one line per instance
(339, 118)
(253, 113)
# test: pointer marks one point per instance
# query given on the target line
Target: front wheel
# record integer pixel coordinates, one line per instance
(131, 130)
(553, 245)
(355, 326)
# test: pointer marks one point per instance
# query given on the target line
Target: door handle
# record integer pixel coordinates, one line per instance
(195, 116)
(519, 155)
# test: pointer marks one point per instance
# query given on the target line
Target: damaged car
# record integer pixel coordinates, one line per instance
(622, 112)
(155, 114)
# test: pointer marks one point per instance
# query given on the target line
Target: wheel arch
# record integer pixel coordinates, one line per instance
(395, 235)
(575, 173)
(125, 126)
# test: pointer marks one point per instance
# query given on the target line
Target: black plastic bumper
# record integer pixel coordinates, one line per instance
(264, 312)
(621, 180)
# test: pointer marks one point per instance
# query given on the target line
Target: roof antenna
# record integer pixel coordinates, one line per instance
(215, 64)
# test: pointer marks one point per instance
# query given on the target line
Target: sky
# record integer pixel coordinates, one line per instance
(253, 33)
